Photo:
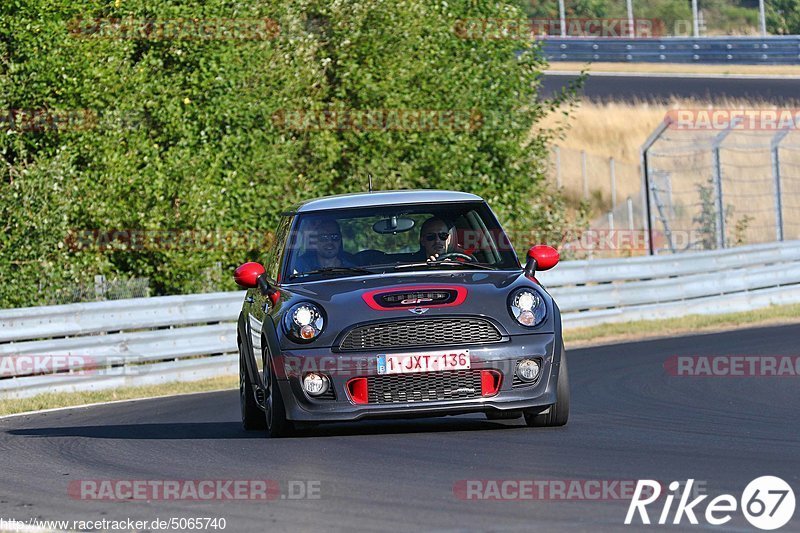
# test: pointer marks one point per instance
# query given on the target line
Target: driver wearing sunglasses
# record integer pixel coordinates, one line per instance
(435, 238)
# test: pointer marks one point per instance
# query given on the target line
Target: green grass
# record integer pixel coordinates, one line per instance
(67, 399)
(583, 336)
(681, 326)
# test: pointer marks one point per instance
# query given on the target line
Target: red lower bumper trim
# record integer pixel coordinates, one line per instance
(490, 382)
(357, 388)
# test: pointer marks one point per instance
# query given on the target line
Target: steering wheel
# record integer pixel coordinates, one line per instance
(449, 255)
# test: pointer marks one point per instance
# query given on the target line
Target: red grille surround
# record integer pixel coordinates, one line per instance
(439, 296)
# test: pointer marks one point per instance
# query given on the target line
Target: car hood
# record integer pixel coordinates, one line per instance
(328, 290)
(346, 300)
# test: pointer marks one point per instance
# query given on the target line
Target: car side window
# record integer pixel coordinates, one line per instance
(275, 255)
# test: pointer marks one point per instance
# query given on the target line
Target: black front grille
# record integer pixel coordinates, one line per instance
(327, 395)
(421, 332)
(424, 387)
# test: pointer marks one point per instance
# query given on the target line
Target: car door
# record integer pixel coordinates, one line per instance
(260, 304)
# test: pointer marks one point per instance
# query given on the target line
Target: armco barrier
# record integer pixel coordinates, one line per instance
(779, 50)
(182, 338)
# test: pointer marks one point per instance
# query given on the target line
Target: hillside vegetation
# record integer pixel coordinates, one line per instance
(116, 121)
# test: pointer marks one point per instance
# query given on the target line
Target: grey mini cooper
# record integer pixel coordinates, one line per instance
(397, 304)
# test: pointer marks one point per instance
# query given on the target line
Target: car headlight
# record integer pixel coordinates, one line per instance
(304, 322)
(527, 307)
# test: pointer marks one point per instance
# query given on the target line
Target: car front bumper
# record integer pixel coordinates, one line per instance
(340, 368)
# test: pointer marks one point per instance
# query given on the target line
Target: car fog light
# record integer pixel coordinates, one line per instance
(315, 384)
(528, 369)
(527, 318)
(307, 332)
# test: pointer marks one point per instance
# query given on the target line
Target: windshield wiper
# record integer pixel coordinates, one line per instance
(332, 270)
(441, 263)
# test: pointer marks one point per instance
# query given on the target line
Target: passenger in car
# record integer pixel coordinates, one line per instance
(324, 248)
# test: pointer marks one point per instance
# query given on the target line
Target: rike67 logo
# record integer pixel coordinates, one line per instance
(767, 503)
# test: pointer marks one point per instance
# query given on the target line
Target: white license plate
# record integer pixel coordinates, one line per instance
(408, 363)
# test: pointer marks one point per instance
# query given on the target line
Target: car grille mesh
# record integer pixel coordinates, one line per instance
(425, 386)
(421, 332)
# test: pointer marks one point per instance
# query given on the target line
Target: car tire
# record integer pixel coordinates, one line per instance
(252, 415)
(274, 409)
(558, 413)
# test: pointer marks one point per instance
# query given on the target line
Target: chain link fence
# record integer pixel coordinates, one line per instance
(606, 186)
(708, 189)
(721, 188)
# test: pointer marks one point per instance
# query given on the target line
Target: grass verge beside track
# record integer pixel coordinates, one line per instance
(646, 329)
(675, 68)
(575, 338)
(69, 399)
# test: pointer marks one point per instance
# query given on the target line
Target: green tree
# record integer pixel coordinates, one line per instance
(182, 133)
(783, 17)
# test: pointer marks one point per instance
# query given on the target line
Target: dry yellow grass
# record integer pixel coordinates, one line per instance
(618, 130)
(688, 325)
(604, 130)
(678, 68)
(612, 129)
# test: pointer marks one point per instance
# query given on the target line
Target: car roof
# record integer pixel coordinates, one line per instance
(381, 198)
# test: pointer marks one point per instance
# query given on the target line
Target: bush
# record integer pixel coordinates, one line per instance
(783, 17)
(183, 135)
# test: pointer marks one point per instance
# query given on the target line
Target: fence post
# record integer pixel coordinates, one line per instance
(630, 213)
(648, 229)
(632, 26)
(585, 177)
(612, 169)
(717, 178)
(775, 147)
(99, 287)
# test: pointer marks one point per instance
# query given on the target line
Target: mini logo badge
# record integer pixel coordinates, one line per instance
(419, 310)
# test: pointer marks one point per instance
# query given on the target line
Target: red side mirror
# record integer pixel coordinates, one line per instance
(247, 275)
(546, 256)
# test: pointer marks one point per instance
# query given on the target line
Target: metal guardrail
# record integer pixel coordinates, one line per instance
(182, 338)
(733, 50)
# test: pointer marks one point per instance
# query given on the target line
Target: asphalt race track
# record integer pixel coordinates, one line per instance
(630, 420)
(663, 88)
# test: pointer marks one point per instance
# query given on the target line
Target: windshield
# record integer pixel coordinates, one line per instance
(375, 240)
